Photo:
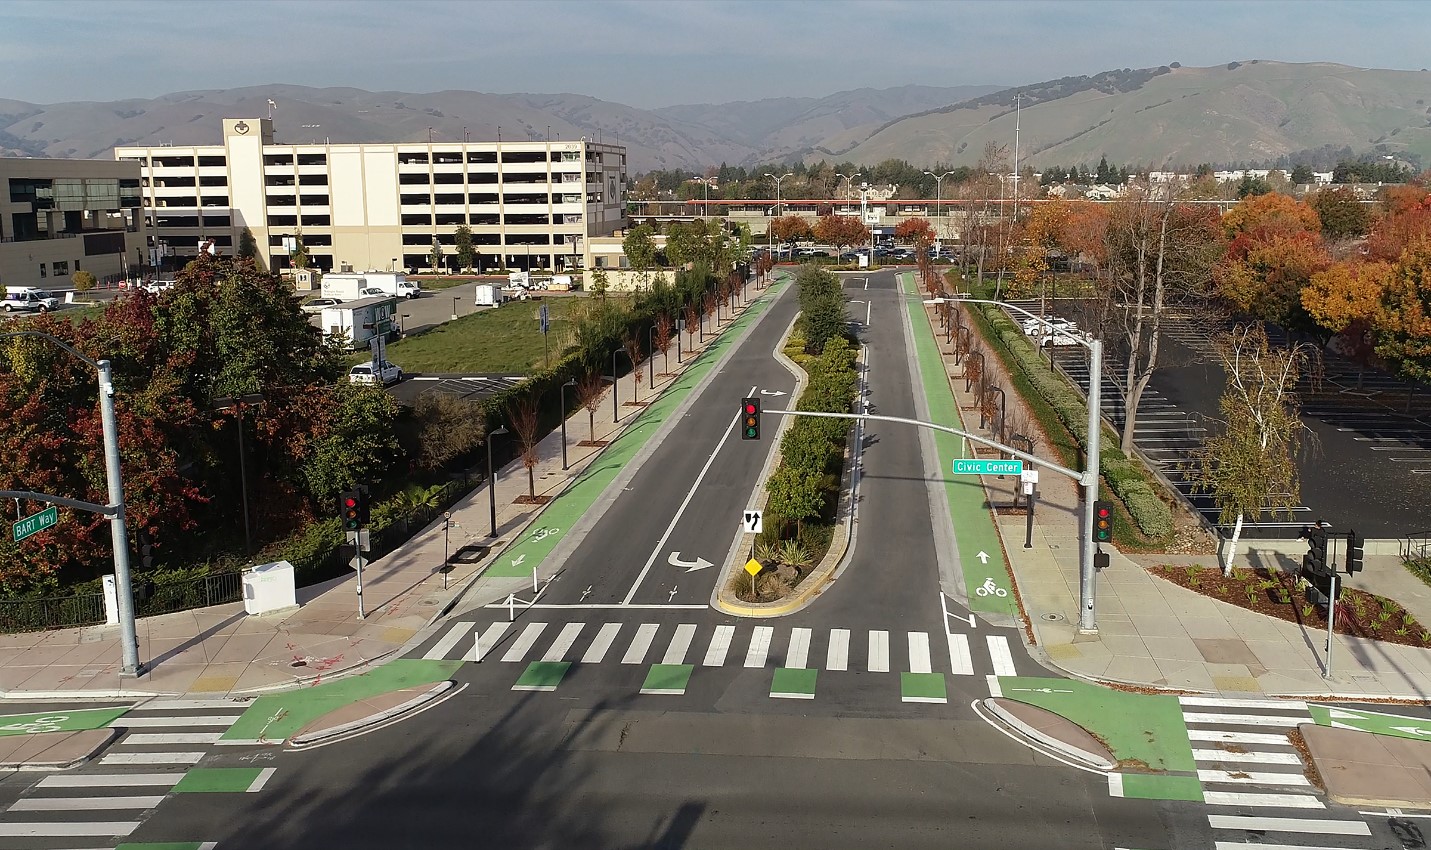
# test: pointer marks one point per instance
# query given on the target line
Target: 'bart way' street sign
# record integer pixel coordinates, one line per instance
(35, 523)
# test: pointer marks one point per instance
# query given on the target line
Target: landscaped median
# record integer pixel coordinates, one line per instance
(1145, 733)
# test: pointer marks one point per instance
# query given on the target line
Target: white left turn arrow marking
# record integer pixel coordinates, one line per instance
(689, 566)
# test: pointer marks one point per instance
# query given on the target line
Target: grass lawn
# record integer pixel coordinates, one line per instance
(502, 339)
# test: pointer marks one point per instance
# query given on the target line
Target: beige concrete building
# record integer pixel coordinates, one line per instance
(60, 216)
(530, 205)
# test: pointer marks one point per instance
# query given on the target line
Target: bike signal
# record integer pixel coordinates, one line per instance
(750, 419)
(1102, 522)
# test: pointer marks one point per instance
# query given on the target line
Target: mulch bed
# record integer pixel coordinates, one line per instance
(592, 444)
(531, 500)
(1281, 594)
(634, 403)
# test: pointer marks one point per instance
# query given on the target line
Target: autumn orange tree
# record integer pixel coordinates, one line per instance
(1276, 246)
(918, 232)
(1261, 215)
(1405, 217)
(789, 229)
(1345, 299)
(1403, 335)
(1038, 236)
(841, 231)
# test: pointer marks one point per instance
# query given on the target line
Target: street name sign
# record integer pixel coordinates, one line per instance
(988, 467)
(35, 523)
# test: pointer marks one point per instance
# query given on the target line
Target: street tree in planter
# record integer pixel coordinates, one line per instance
(526, 422)
(664, 327)
(588, 395)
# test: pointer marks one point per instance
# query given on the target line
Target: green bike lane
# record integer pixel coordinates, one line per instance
(981, 551)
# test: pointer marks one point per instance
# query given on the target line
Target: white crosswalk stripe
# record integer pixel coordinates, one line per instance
(524, 642)
(1241, 747)
(641, 644)
(602, 645)
(961, 661)
(1002, 658)
(759, 646)
(449, 640)
(557, 651)
(799, 652)
(60, 808)
(919, 661)
(878, 661)
(680, 644)
(720, 646)
(837, 656)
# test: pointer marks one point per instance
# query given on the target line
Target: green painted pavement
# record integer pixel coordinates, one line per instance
(793, 683)
(218, 780)
(974, 527)
(277, 716)
(163, 845)
(667, 679)
(1395, 725)
(521, 557)
(923, 687)
(1155, 786)
(1143, 729)
(61, 720)
(542, 676)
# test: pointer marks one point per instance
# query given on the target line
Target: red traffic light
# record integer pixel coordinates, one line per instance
(750, 408)
(350, 502)
(1103, 513)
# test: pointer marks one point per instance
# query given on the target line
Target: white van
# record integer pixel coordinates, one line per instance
(28, 299)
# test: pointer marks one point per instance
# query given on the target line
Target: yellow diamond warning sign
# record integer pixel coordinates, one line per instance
(753, 567)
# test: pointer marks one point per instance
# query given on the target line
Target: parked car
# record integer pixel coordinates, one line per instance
(1047, 325)
(373, 292)
(1063, 337)
(318, 304)
(371, 373)
(154, 287)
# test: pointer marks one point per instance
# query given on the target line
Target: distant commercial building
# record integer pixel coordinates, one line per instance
(529, 204)
(60, 216)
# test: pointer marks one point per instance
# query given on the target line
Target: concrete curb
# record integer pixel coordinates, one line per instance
(1062, 748)
(303, 740)
(102, 742)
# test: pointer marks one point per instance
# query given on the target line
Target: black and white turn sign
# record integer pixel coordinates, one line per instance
(753, 522)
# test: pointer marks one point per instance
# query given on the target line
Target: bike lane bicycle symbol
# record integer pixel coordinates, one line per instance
(988, 588)
(51, 723)
(543, 533)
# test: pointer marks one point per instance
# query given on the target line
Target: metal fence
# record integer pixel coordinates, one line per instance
(56, 612)
(1416, 545)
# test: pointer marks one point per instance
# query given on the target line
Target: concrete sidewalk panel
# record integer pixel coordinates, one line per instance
(1363, 769)
(53, 750)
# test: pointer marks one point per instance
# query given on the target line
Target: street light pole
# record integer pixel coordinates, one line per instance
(615, 407)
(651, 355)
(491, 479)
(778, 181)
(939, 191)
(570, 383)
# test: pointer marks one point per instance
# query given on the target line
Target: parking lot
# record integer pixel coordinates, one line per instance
(1366, 464)
(470, 387)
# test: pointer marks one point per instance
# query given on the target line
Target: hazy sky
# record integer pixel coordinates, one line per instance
(658, 52)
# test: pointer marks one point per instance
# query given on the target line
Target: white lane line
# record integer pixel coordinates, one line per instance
(524, 642)
(759, 646)
(196, 720)
(442, 647)
(564, 640)
(65, 830)
(1243, 719)
(189, 704)
(84, 804)
(1284, 801)
(798, 653)
(719, 646)
(152, 758)
(690, 494)
(680, 644)
(837, 655)
(1001, 657)
(109, 780)
(489, 639)
(1240, 845)
(919, 653)
(1219, 702)
(879, 652)
(261, 780)
(602, 645)
(171, 737)
(636, 652)
(1253, 757)
(1331, 827)
(1242, 777)
(961, 660)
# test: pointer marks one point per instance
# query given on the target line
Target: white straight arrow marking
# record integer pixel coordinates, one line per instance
(983, 557)
(517, 561)
(1412, 730)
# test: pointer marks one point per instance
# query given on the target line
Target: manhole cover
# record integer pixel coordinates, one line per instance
(1052, 618)
(301, 662)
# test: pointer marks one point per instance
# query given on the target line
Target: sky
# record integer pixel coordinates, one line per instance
(651, 53)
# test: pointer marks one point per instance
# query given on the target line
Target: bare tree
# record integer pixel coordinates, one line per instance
(1161, 260)
(1251, 466)
(664, 326)
(588, 395)
(633, 351)
(526, 423)
(693, 321)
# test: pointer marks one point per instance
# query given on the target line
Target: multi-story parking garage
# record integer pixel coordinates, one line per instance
(378, 206)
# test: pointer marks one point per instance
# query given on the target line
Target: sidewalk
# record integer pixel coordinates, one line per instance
(221, 651)
(1153, 633)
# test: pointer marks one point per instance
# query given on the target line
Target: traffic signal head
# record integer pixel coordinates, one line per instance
(1102, 522)
(750, 419)
(349, 510)
(1354, 552)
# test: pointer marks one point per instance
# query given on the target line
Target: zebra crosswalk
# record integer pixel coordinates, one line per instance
(549, 649)
(1254, 780)
(107, 799)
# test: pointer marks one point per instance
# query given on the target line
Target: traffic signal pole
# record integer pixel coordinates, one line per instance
(1087, 573)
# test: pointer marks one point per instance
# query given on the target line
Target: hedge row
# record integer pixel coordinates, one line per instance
(1127, 478)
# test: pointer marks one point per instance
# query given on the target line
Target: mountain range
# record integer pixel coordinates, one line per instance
(1249, 111)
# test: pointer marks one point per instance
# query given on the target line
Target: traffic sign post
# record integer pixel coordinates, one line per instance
(963, 466)
(35, 523)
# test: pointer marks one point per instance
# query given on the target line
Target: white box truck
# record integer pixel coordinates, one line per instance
(519, 279)
(357, 323)
(490, 295)
(350, 286)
